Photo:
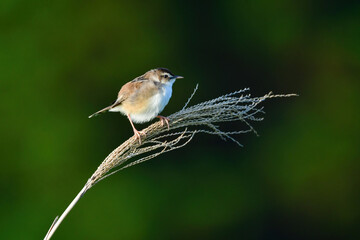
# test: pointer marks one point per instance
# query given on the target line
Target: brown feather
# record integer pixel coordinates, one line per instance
(101, 111)
(125, 92)
(138, 96)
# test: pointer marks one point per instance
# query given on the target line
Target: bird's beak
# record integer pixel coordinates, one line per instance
(177, 77)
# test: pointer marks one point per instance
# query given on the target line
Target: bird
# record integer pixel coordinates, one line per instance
(143, 98)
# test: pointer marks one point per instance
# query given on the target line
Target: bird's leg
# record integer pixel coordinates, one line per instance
(164, 119)
(137, 133)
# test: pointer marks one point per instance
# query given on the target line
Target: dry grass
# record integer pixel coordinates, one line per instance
(204, 117)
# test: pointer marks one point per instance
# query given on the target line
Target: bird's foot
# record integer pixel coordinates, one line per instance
(137, 134)
(164, 120)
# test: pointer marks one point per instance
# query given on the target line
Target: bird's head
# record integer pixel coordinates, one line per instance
(162, 75)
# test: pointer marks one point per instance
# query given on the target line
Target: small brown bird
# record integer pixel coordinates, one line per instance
(143, 98)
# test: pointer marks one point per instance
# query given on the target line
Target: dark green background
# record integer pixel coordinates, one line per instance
(63, 60)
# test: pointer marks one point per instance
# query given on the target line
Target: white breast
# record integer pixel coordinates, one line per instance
(156, 104)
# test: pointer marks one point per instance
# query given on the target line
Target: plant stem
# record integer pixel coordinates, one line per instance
(57, 220)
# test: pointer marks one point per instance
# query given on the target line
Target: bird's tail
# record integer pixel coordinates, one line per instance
(101, 111)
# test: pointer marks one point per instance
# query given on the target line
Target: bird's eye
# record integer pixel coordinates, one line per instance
(166, 76)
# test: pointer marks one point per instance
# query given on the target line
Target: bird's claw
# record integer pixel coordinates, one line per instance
(137, 135)
(164, 119)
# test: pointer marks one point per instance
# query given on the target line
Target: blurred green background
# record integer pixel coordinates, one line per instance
(63, 60)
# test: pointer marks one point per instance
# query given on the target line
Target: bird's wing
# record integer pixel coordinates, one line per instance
(127, 90)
